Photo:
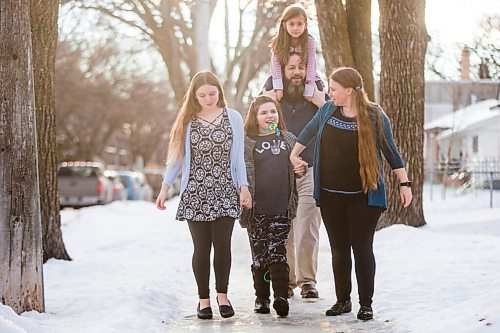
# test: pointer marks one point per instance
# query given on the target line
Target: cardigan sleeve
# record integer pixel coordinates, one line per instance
(173, 169)
(240, 151)
(389, 148)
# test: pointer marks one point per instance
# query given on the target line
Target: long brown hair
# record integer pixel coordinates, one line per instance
(251, 126)
(190, 107)
(281, 42)
(370, 130)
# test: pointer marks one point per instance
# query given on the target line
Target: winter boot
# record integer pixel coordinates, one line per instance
(261, 286)
(279, 276)
(365, 312)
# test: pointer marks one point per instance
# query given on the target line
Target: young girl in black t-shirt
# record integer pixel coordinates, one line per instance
(271, 181)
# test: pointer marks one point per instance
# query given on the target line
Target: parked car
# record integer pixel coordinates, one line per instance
(119, 190)
(146, 189)
(83, 184)
(136, 185)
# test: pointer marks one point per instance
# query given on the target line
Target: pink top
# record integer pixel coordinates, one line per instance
(310, 68)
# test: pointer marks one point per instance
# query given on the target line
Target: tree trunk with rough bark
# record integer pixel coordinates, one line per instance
(44, 40)
(333, 31)
(360, 35)
(21, 282)
(346, 40)
(403, 42)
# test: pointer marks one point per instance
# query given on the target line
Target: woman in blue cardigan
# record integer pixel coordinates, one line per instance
(351, 135)
(206, 143)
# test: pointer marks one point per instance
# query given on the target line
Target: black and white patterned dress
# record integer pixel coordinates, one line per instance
(210, 192)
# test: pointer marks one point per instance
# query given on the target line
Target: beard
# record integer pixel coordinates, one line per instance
(295, 91)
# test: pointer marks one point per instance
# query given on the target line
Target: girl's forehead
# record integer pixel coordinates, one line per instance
(266, 107)
(298, 17)
(206, 88)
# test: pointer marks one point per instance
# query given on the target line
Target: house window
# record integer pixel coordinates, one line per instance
(475, 140)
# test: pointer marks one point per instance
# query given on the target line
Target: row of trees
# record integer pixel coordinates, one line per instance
(95, 106)
(178, 30)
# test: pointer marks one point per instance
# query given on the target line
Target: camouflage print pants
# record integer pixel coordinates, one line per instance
(268, 237)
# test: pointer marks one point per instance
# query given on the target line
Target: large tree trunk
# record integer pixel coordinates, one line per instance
(346, 37)
(403, 41)
(21, 283)
(44, 41)
(333, 31)
(360, 35)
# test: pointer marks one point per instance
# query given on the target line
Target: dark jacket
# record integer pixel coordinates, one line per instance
(248, 214)
(387, 147)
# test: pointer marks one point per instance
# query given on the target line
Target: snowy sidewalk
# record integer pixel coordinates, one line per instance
(131, 272)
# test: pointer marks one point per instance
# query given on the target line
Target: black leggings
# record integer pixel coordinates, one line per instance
(350, 223)
(204, 234)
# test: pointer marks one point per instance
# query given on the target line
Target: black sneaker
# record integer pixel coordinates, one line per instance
(262, 305)
(309, 291)
(339, 308)
(365, 313)
(281, 306)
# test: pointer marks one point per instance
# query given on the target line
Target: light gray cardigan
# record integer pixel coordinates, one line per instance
(238, 170)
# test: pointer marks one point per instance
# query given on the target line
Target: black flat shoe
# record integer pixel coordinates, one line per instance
(339, 308)
(365, 313)
(205, 313)
(226, 311)
(262, 305)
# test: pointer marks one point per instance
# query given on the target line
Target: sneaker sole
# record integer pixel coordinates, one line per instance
(281, 306)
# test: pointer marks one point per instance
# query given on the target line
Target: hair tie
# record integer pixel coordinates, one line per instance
(358, 88)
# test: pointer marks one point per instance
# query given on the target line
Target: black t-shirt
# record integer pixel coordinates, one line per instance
(271, 175)
(339, 165)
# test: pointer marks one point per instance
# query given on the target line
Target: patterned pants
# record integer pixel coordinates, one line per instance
(268, 237)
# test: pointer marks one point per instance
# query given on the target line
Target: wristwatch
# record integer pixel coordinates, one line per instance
(408, 184)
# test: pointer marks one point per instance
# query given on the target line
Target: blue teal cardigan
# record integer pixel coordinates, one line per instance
(238, 169)
(387, 147)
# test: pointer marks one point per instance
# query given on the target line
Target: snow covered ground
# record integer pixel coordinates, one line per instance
(131, 272)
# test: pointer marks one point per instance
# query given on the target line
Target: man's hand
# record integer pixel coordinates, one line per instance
(319, 97)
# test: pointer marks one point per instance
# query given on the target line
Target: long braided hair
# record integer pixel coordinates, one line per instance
(370, 128)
